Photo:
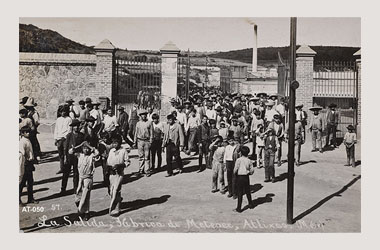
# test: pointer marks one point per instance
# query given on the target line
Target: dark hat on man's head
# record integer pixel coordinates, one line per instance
(170, 116)
(81, 102)
(316, 108)
(187, 102)
(74, 123)
(350, 127)
(299, 105)
(276, 116)
(96, 103)
(88, 100)
(262, 94)
(180, 107)
(24, 100)
(218, 109)
(70, 100)
(332, 105)
(121, 108)
(143, 112)
(212, 121)
(30, 102)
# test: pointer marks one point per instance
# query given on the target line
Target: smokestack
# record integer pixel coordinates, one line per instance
(254, 49)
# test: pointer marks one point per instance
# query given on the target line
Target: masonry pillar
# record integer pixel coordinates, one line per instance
(359, 91)
(169, 55)
(104, 73)
(304, 75)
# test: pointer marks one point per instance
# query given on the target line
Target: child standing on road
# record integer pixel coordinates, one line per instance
(350, 141)
(218, 149)
(271, 146)
(230, 156)
(260, 144)
(86, 169)
(243, 168)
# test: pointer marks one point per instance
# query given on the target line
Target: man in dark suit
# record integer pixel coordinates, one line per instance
(174, 141)
(332, 120)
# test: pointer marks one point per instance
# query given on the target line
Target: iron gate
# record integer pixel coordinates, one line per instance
(138, 81)
(337, 82)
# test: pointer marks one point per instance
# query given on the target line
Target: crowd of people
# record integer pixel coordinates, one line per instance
(213, 125)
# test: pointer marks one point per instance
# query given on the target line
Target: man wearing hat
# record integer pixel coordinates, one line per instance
(316, 127)
(349, 141)
(73, 110)
(191, 130)
(133, 119)
(35, 117)
(278, 128)
(143, 139)
(203, 143)
(62, 128)
(332, 120)
(173, 141)
(301, 116)
(269, 112)
(124, 125)
(73, 139)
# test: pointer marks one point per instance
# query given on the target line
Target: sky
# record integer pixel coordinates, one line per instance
(203, 34)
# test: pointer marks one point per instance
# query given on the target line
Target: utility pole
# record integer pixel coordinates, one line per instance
(187, 74)
(292, 100)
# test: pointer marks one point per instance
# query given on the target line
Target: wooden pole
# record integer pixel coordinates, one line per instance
(292, 100)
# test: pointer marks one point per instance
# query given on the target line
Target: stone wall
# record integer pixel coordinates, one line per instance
(53, 78)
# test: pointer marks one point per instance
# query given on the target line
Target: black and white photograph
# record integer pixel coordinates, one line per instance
(190, 124)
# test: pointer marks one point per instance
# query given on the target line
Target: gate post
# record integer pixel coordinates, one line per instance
(105, 71)
(358, 92)
(305, 70)
(169, 74)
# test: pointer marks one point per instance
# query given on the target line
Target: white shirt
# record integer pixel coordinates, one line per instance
(280, 109)
(95, 113)
(193, 122)
(211, 114)
(229, 153)
(110, 123)
(182, 118)
(269, 113)
(149, 116)
(62, 127)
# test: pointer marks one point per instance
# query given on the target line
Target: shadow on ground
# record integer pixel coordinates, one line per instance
(323, 201)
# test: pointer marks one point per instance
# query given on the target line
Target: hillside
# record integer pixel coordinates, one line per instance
(34, 39)
(324, 53)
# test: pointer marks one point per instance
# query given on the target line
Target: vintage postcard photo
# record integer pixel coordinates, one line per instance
(190, 125)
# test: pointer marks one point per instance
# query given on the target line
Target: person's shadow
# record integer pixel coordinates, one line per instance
(256, 187)
(261, 200)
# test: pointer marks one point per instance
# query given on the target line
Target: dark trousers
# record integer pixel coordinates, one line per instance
(106, 174)
(156, 149)
(254, 156)
(243, 188)
(204, 151)
(27, 179)
(231, 177)
(61, 153)
(35, 144)
(173, 151)
(72, 162)
(269, 164)
(351, 155)
(331, 129)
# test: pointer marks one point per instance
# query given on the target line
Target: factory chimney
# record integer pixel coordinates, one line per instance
(254, 49)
